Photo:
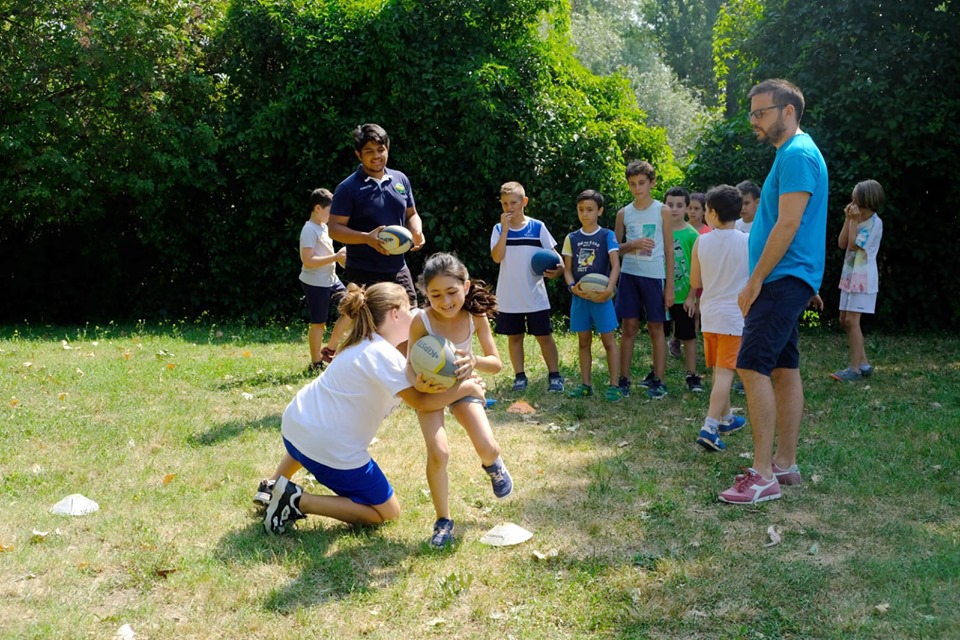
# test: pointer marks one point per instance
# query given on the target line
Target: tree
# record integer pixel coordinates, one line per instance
(104, 142)
(615, 36)
(472, 94)
(877, 77)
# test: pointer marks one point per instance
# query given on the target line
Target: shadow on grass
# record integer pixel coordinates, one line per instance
(295, 379)
(333, 560)
(233, 429)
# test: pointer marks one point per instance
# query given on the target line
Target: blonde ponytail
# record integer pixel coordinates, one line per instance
(368, 307)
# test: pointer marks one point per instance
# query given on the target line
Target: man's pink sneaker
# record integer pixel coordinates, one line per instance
(751, 488)
(788, 476)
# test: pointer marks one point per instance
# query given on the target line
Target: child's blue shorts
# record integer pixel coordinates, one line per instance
(364, 485)
(586, 315)
(637, 292)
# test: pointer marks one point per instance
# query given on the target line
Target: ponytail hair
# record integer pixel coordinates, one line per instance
(368, 307)
(478, 301)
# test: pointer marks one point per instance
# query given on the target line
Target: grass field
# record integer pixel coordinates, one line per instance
(169, 427)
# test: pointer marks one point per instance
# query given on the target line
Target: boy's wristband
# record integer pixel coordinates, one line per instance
(570, 286)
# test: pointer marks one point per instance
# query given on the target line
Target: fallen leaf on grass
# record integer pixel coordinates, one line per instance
(246, 354)
(247, 396)
(28, 364)
(14, 401)
(4, 548)
(522, 407)
(80, 372)
(883, 608)
(816, 479)
(171, 365)
(62, 396)
(551, 428)
(167, 479)
(539, 555)
(436, 622)
(747, 455)
(623, 443)
(38, 536)
(163, 573)
(67, 347)
(774, 536)
(814, 549)
(936, 405)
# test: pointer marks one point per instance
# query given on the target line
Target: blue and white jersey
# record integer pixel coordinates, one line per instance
(519, 289)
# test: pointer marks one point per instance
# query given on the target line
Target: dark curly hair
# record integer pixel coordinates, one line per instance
(479, 301)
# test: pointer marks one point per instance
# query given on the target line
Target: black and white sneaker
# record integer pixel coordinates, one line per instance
(284, 506)
(499, 478)
(264, 491)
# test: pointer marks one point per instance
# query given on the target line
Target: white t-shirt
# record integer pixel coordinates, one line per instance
(333, 419)
(315, 236)
(644, 224)
(724, 271)
(743, 227)
(519, 289)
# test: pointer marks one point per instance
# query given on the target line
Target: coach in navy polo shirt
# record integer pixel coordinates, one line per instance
(368, 200)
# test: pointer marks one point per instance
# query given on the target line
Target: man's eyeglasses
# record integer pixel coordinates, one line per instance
(756, 114)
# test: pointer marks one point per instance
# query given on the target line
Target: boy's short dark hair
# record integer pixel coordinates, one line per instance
(748, 187)
(365, 133)
(677, 191)
(726, 201)
(321, 197)
(869, 195)
(591, 194)
(781, 92)
(641, 167)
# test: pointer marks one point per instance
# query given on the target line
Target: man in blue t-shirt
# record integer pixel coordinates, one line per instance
(369, 199)
(787, 250)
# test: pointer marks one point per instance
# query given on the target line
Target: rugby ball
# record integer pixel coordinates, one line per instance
(433, 357)
(395, 239)
(594, 283)
(543, 260)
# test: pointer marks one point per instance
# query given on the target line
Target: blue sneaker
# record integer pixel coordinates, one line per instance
(710, 440)
(657, 390)
(489, 403)
(442, 533)
(520, 382)
(499, 478)
(738, 387)
(866, 370)
(624, 384)
(735, 424)
(846, 375)
(645, 383)
(555, 383)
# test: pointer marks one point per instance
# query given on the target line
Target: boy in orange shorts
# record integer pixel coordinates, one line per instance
(719, 264)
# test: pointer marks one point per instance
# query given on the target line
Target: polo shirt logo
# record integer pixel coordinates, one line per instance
(399, 188)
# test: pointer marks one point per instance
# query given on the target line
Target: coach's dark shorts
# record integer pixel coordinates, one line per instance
(771, 328)
(319, 300)
(536, 323)
(364, 278)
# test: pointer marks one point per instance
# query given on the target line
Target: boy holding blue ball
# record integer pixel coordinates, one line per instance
(521, 294)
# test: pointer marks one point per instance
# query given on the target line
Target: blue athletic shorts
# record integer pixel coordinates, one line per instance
(635, 293)
(536, 323)
(319, 300)
(771, 329)
(586, 315)
(365, 485)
